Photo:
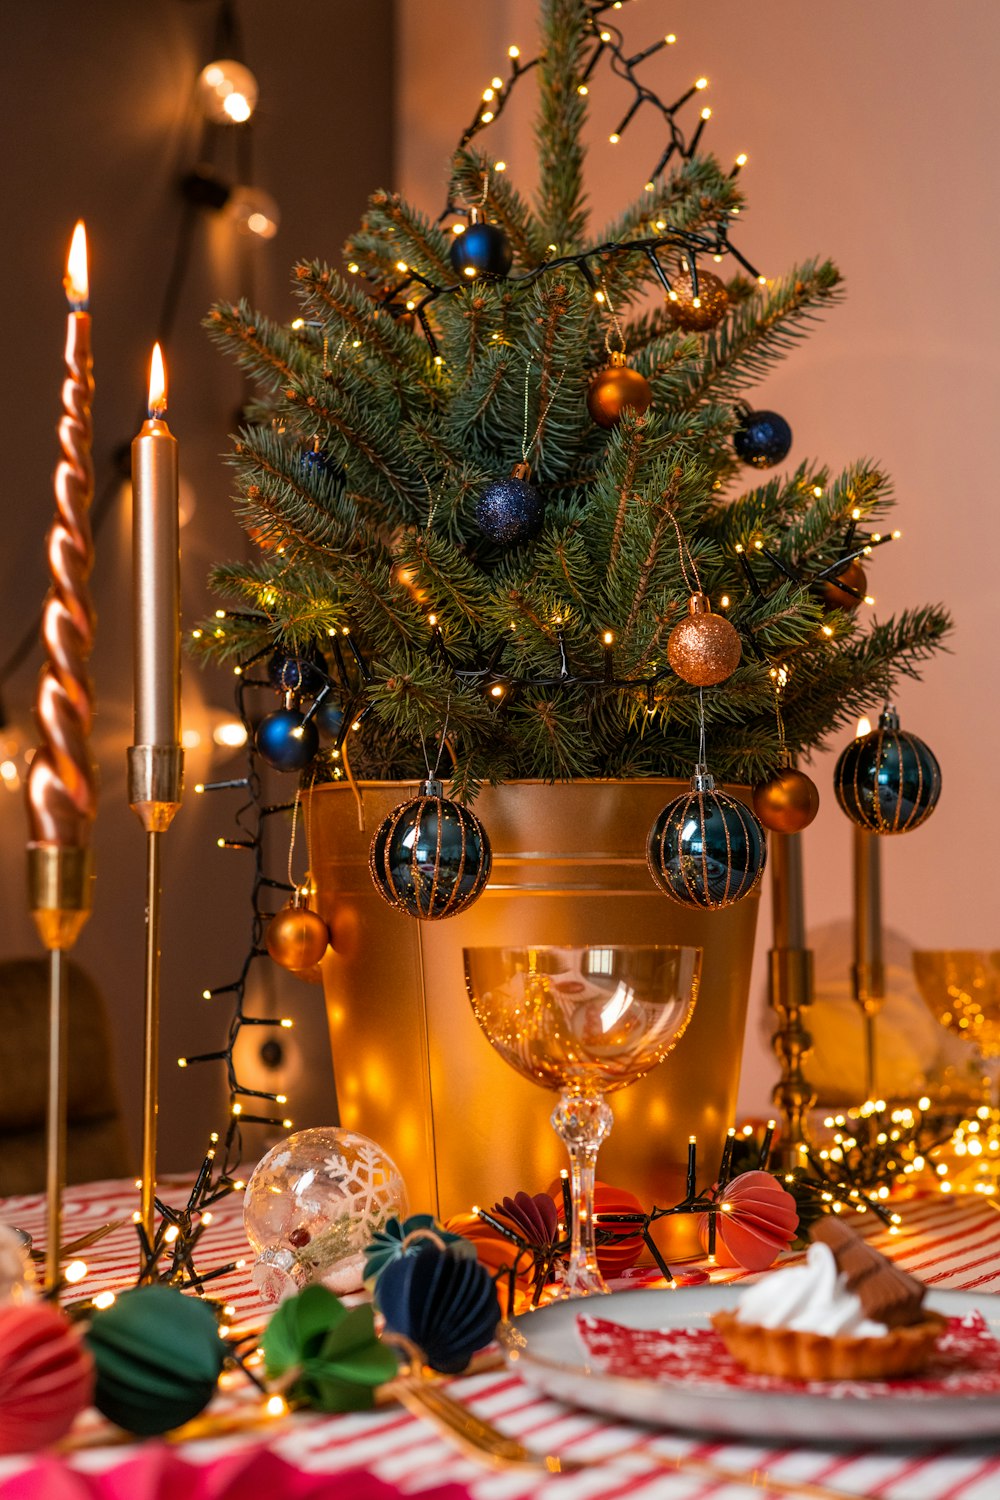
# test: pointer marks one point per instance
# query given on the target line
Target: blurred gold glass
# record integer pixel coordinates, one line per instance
(961, 988)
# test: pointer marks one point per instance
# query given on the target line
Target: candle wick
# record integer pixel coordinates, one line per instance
(76, 302)
(157, 412)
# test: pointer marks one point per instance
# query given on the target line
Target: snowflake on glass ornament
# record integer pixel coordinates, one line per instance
(312, 1205)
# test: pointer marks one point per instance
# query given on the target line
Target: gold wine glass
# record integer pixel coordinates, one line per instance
(583, 1021)
(961, 987)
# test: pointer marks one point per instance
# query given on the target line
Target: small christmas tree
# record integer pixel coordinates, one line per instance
(533, 611)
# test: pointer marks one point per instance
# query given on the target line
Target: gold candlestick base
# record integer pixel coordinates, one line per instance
(155, 780)
(60, 893)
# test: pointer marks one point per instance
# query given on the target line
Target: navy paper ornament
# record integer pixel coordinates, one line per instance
(762, 439)
(510, 511)
(285, 741)
(706, 849)
(295, 674)
(430, 857)
(888, 781)
(443, 1302)
(483, 250)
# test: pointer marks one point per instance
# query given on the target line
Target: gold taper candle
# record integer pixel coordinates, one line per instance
(62, 785)
(155, 761)
(156, 572)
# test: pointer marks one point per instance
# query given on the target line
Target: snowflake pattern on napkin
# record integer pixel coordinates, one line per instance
(966, 1363)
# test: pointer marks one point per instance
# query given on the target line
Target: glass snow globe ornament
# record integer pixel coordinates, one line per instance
(311, 1206)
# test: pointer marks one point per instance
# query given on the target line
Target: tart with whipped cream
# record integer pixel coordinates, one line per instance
(847, 1313)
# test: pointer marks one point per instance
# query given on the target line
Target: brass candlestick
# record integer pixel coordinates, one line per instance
(154, 792)
(790, 977)
(868, 968)
(62, 786)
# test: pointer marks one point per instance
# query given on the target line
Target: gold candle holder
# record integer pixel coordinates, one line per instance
(790, 980)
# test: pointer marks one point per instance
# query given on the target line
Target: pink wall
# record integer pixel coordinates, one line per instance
(872, 137)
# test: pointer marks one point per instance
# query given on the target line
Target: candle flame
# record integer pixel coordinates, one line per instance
(76, 281)
(864, 727)
(157, 383)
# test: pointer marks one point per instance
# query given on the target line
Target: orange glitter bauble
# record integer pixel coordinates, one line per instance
(713, 302)
(297, 938)
(704, 648)
(786, 802)
(616, 388)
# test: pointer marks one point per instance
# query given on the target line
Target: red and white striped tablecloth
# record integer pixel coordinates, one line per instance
(948, 1242)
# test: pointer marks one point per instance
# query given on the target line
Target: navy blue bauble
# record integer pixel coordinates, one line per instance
(430, 857)
(329, 717)
(706, 849)
(762, 439)
(887, 781)
(295, 674)
(510, 511)
(483, 250)
(443, 1302)
(315, 458)
(285, 742)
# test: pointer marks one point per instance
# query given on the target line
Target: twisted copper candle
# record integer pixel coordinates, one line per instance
(62, 786)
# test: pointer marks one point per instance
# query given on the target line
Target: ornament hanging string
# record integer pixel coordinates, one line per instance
(684, 552)
(526, 446)
(702, 744)
(291, 843)
(433, 775)
(612, 326)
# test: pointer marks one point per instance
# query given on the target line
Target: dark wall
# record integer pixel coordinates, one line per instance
(96, 117)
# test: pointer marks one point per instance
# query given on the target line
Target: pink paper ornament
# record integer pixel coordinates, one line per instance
(46, 1376)
(758, 1220)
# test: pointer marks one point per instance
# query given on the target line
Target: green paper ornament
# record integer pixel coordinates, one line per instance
(158, 1356)
(334, 1350)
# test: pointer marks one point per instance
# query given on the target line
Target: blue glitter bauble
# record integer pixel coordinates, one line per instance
(509, 511)
(430, 857)
(706, 849)
(443, 1302)
(887, 781)
(762, 439)
(295, 674)
(483, 250)
(315, 458)
(285, 742)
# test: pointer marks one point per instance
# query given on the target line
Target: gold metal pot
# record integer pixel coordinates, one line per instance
(413, 1070)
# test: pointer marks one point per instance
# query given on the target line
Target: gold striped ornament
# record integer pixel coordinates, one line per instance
(706, 849)
(430, 857)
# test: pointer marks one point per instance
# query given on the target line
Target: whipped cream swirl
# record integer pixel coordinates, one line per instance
(809, 1298)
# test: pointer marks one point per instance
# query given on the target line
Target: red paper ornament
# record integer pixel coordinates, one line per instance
(615, 1258)
(46, 1376)
(758, 1220)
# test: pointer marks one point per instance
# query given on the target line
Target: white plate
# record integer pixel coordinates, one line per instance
(546, 1351)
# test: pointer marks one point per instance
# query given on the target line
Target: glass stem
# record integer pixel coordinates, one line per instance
(583, 1121)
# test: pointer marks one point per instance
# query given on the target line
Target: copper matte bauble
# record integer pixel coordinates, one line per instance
(704, 648)
(616, 388)
(835, 597)
(712, 302)
(786, 802)
(297, 938)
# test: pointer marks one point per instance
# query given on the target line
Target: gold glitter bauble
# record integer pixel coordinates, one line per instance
(713, 302)
(703, 649)
(834, 597)
(296, 937)
(786, 802)
(615, 388)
